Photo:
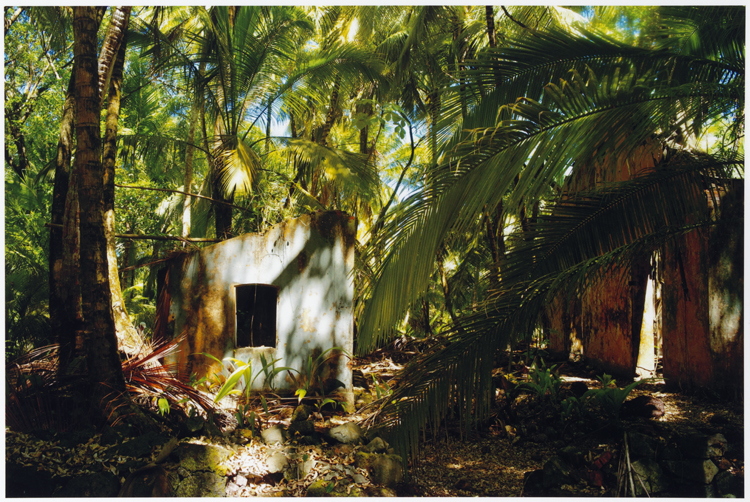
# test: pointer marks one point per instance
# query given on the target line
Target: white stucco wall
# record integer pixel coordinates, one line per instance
(308, 259)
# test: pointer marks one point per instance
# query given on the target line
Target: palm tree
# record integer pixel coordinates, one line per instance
(569, 101)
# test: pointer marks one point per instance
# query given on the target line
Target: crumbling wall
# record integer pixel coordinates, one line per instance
(702, 296)
(606, 318)
(308, 260)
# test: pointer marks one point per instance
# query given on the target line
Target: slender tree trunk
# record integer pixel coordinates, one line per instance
(434, 104)
(268, 125)
(326, 130)
(110, 47)
(128, 340)
(126, 276)
(490, 19)
(195, 111)
(19, 140)
(102, 361)
(492, 36)
(332, 113)
(222, 213)
(64, 291)
(12, 19)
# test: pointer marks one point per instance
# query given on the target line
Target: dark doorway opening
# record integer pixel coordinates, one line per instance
(255, 306)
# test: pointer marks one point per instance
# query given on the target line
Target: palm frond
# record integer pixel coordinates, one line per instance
(578, 119)
(573, 245)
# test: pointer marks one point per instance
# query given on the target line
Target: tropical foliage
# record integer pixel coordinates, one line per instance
(478, 147)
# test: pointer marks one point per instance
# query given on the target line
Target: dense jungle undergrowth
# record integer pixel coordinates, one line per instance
(542, 419)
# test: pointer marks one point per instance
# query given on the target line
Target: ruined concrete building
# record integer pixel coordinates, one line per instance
(681, 306)
(285, 295)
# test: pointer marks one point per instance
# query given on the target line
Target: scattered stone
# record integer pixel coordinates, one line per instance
(386, 470)
(240, 480)
(556, 472)
(303, 428)
(201, 457)
(348, 433)
(692, 470)
(202, 484)
(274, 435)
(192, 426)
(301, 413)
(643, 406)
(232, 490)
(703, 446)
(377, 445)
(651, 474)
(641, 446)
(276, 463)
(359, 479)
(153, 482)
(729, 484)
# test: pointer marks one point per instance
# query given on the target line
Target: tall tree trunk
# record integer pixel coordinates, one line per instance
(128, 340)
(434, 107)
(19, 140)
(64, 291)
(195, 111)
(492, 36)
(331, 116)
(102, 362)
(110, 48)
(268, 125)
(222, 212)
(489, 15)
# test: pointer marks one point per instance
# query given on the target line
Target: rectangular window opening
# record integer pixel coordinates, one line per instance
(255, 307)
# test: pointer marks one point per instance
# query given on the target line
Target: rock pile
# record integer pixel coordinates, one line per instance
(692, 465)
(294, 460)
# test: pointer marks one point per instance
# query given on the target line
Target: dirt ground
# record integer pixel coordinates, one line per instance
(491, 461)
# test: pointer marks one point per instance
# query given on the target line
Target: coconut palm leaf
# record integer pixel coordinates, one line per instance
(578, 118)
(573, 245)
(597, 111)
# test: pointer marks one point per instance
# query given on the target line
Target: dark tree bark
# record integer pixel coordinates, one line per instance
(195, 111)
(490, 19)
(100, 343)
(64, 293)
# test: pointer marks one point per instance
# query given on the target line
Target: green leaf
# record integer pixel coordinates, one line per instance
(233, 379)
(300, 393)
(163, 406)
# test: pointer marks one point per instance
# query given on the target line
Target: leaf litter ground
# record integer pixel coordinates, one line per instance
(490, 461)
